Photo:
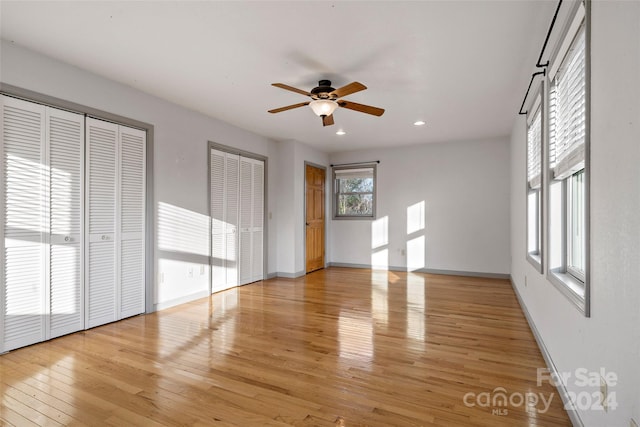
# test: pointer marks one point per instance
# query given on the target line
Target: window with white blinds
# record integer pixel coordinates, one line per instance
(534, 150)
(567, 150)
(534, 185)
(567, 110)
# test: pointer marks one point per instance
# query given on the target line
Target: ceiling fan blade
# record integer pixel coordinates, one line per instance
(291, 88)
(361, 108)
(288, 107)
(348, 89)
(327, 120)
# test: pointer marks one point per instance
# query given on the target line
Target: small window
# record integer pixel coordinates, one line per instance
(354, 191)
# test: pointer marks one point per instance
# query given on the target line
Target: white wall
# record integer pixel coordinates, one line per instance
(286, 208)
(292, 156)
(464, 188)
(610, 339)
(180, 163)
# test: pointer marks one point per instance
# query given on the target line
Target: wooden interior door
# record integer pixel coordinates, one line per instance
(315, 178)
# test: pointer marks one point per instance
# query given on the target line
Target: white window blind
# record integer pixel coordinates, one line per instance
(361, 173)
(534, 146)
(567, 110)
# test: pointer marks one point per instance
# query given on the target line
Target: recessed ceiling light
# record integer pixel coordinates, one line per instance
(340, 132)
(419, 123)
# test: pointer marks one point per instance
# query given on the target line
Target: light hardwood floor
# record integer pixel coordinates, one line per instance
(338, 347)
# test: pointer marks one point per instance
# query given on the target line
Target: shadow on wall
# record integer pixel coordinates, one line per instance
(183, 252)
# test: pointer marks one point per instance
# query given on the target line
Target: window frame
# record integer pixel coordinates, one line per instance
(336, 193)
(573, 284)
(536, 257)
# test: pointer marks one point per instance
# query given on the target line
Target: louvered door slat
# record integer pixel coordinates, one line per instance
(65, 139)
(23, 207)
(132, 212)
(101, 170)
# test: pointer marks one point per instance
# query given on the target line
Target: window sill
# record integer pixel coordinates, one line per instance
(536, 261)
(571, 288)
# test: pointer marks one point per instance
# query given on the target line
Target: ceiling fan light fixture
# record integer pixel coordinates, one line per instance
(323, 107)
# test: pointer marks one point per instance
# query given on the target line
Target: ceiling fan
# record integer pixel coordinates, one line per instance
(325, 99)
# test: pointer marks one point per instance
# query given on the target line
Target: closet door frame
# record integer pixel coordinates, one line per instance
(150, 221)
(265, 218)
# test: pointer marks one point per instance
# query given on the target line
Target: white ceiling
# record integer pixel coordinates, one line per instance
(462, 66)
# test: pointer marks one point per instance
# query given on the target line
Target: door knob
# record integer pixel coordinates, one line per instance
(307, 224)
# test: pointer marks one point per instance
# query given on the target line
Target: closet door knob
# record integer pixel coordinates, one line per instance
(67, 238)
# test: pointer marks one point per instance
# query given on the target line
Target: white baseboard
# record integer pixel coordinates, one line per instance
(181, 300)
(562, 390)
(290, 275)
(424, 270)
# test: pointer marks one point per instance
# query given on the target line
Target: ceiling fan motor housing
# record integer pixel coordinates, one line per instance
(323, 91)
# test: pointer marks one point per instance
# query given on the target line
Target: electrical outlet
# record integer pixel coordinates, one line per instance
(603, 394)
(403, 252)
(191, 272)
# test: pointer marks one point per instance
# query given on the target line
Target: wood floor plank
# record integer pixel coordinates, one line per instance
(338, 347)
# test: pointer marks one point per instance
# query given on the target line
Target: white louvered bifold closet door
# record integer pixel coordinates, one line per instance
(246, 219)
(132, 221)
(100, 261)
(41, 286)
(251, 217)
(70, 258)
(257, 245)
(65, 142)
(217, 199)
(237, 216)
(116, 222)
(23, 203)
(231, 209)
